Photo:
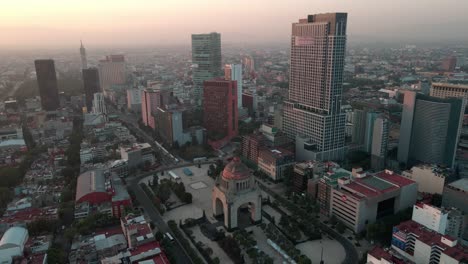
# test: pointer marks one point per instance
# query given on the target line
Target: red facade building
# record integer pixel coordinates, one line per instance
(220, 114)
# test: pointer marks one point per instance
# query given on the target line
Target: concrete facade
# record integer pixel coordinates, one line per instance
(428, 177)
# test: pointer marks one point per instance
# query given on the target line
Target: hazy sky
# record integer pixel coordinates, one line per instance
(61, 23)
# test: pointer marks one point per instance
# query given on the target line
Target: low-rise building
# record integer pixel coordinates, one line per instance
(251, 146)
(304, 172)
(174, 130)
(274, 162)
(420, 245)
(12, 244)
(326, 184)
(96, 192)
(137, 155)
(137, 230)
(367, 198)
(430, 178)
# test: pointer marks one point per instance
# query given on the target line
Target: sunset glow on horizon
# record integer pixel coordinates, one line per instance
(126, 22)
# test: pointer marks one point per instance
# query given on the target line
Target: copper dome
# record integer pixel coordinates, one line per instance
(236, 170)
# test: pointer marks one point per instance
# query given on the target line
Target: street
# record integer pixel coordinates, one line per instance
(179, 252)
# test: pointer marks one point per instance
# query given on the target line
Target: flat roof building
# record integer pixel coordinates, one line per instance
(419, 244)
(367, 198)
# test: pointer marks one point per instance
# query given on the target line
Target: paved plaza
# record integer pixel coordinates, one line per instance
(200, 186)
(333, 251)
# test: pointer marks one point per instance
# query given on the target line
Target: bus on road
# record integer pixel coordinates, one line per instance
(174, 176)
(199, 159)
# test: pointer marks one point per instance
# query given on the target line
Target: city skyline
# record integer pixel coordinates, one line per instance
(26, 24)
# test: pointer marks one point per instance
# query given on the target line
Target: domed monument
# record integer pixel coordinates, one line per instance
(234, 189)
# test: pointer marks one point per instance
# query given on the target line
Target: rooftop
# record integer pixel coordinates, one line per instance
(380, 253)
(460, 185)
(378, 184)
(90, 182)
(433, 238)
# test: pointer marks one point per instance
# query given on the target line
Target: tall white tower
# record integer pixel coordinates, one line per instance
(84, 61)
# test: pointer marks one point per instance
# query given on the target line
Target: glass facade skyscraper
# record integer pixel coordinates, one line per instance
(313, 111)
(206, 60)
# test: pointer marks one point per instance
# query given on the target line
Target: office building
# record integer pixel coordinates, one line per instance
(134, 97)
(303, 173)
(365, 198)
(455, 195)
(47, 84)
(250, 102)
(112, 71)
(430, 129)
(251, 146)
(174, 130)
(369, 130)
(430, 178)
(137, 154)
(99, 104)
(150, 101)
(379, 143)
(327, 182)
(449, 64)
(220, 111)
(248, 64)
(233, 72)
(274, 162)
(316, 85)
(91, 85)
(447, 90)
(431, 217)
(420, 245)
(84, 60)
(206, 60)
(359, 126)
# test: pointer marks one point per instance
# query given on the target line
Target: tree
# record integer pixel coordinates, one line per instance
(55, 255)
(164, 192)
(436, 200)
(41, 226)
(188, 198)
(159, 236)
(10, 177)
(211, 170)
(340, 227)
(155, 181)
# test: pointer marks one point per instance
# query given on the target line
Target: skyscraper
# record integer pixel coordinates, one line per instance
(379, 143)
(369, 132)
(206, 60)
(150, 101)
(47, 83)
(112, 71)
(233, 72)
(430, 129)
(313, 111)
(99, 105)
(84, 61)
(91, 85)
(359, 126)
(220, 112)
(449, 63)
